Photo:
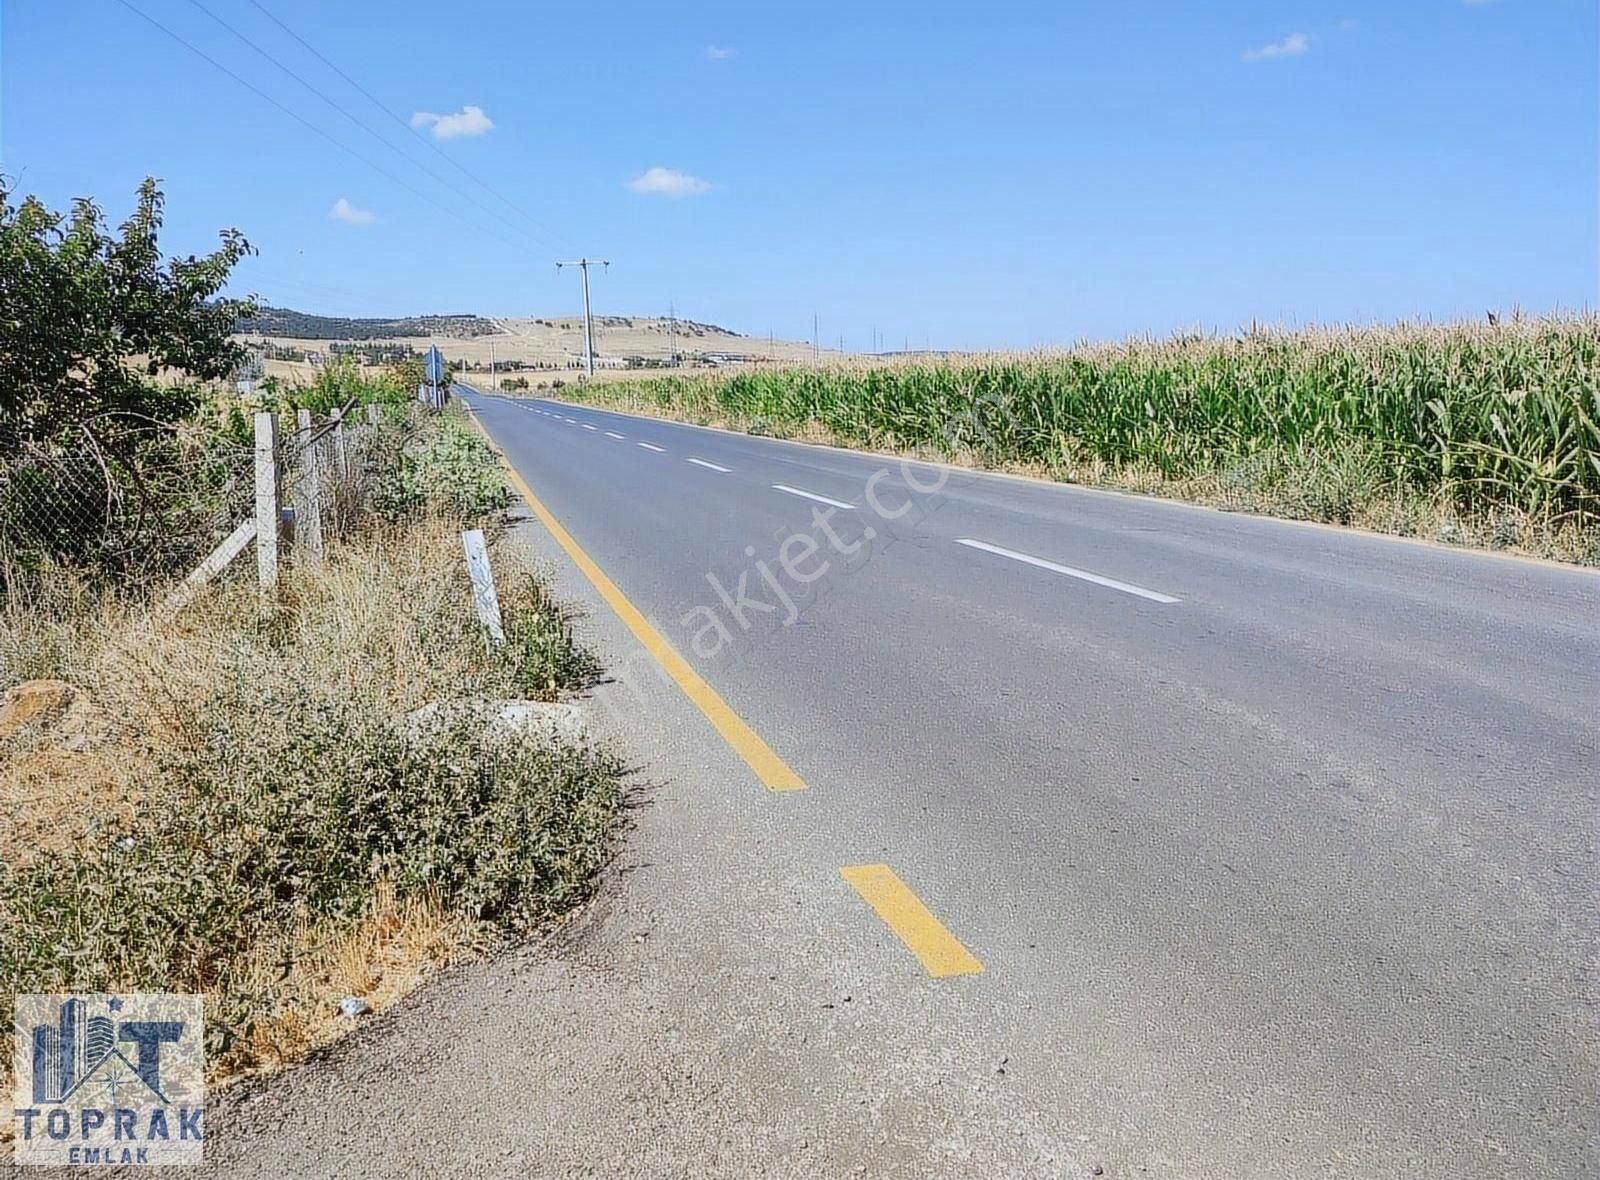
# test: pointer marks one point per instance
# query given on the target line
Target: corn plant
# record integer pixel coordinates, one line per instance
(1476, 416)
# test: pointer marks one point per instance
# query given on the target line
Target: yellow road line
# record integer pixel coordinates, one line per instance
(773, 772)
(924, 935)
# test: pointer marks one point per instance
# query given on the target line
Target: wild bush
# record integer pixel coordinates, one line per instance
(264, 805)
(448, 468)
(90, 318)
(546, 657)
(290, 808)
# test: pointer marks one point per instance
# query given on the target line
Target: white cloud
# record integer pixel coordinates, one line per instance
(469, 120)
(719, 52)
(1291, 46)
(344, 211)
(669, 182)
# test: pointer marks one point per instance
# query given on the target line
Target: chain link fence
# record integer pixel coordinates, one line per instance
(123, 498)
(326, 474)
(133, 503)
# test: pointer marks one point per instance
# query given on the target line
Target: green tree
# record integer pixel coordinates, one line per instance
(88, 318)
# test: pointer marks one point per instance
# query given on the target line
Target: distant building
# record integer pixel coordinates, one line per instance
(600, 362)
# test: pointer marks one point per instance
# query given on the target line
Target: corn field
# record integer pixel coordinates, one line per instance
(1476, 416)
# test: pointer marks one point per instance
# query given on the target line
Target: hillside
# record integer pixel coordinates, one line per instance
(553, 342)
(650, 337)
(284, 322)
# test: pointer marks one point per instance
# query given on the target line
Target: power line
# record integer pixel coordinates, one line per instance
(410, 130)
(351, 118)
(583, 264)
(298, 118)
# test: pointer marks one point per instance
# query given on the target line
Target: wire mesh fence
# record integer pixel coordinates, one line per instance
(326, 471)
(123, 498)
(132, 503)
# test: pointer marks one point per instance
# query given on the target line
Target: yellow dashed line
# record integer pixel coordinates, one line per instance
(924, 935)
(773, 772)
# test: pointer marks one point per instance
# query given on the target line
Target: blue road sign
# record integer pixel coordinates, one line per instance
(433, 365)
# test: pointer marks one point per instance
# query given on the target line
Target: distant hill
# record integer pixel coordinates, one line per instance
(512, 343)
(301, 325)
(682, 326)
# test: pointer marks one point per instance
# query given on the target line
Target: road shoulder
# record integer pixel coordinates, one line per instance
(720, 1009)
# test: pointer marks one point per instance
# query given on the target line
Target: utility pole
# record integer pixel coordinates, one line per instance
(491, 365)
(814, 348)
(672, 318)
(583, 265)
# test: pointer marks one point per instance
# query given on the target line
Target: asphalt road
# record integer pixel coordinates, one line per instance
(1276, 840)
(1270, 848)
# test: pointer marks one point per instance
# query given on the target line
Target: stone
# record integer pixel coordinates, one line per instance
(563, 720)
(34, 704)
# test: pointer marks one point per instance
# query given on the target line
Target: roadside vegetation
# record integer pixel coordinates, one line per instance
(245, 803)
(284, 802)
(1472, 433)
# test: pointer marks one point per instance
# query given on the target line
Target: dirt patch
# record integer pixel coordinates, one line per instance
(60, 782)
(36, 704)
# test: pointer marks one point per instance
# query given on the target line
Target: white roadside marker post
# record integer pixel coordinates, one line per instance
(483, 595)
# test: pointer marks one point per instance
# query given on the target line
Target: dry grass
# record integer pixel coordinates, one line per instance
(234, 802)
(387, 620)
(52, 800)
(54, 628)
(393, 946)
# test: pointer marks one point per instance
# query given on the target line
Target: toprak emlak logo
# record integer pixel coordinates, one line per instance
(109, 1079)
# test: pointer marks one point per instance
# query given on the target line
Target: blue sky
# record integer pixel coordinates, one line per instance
(953, 174)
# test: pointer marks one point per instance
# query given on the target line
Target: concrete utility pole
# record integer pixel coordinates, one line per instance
(583, 264)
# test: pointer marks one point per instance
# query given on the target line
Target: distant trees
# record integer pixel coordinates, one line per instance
(301, 325)
(87, 318)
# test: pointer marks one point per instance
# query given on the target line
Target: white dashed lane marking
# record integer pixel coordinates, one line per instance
(783, 487)
(1082, 575)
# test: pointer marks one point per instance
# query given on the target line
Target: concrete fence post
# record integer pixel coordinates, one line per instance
(267, 501)
(308, 521)
(341, 460)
